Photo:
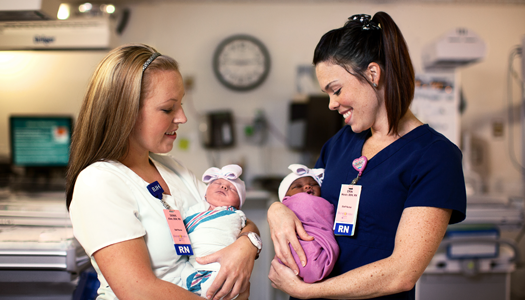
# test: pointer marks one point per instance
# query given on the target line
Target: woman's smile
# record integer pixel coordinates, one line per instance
(347, 116)
(171, 134)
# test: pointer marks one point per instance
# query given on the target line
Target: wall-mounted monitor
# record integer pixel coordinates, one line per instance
(40, 140)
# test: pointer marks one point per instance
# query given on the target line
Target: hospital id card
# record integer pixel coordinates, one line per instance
(178, 231)
(346, 214)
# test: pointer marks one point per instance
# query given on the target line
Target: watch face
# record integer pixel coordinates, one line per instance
(256, 240)
(241, 62)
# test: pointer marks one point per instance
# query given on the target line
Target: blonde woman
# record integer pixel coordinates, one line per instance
(118, 190)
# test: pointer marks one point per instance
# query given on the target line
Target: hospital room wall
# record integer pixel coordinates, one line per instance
(54, 82)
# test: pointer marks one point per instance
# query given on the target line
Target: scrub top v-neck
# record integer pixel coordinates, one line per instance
(412, 171)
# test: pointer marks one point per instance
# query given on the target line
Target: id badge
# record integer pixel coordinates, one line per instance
(346, 214)
(178, 231)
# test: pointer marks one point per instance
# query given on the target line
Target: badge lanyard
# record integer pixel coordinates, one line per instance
(178, 231)
(348, 204)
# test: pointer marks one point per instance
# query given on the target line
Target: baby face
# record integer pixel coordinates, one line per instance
(304, 185)
(221, 192)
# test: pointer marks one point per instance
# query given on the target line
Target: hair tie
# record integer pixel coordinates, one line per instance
(367, 23)
(150, 59)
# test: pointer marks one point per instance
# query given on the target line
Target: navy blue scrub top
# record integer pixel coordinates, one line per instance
(422, 168)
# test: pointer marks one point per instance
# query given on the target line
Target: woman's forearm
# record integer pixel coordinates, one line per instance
(249, 227)
(373, 280)
(126, 267)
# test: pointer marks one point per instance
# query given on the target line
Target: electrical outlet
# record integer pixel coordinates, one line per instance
(497, 128)
(189, 83)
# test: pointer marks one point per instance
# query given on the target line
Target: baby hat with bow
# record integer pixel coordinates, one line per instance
(299, 171)
(232, 173)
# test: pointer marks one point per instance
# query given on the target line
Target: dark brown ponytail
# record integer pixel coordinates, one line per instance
(363, 40)
(398, 69)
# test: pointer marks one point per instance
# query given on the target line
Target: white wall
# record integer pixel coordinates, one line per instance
(190, 33)
(54, 82)
(46, 82)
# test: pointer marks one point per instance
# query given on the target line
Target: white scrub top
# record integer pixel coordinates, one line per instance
(111, 204)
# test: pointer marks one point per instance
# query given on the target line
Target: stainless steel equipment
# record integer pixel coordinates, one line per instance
(480, 265)
(39, 257)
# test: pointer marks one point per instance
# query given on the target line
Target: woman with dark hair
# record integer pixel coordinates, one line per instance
(410, 177)
(123, 190)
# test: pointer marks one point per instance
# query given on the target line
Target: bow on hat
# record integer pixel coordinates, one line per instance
(230, 173)
(303, 170)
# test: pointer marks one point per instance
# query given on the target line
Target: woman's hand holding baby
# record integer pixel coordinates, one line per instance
(285, 227)
(233, 279)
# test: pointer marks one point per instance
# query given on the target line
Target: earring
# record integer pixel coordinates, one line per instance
(374, 84)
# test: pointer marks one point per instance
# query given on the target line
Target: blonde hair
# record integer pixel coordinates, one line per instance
(111, 106)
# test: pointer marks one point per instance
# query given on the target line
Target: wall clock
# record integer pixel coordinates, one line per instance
(241, 62)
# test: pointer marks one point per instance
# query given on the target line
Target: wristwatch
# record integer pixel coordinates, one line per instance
(255, 239)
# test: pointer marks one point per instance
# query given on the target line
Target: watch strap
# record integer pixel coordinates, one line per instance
(259, 248)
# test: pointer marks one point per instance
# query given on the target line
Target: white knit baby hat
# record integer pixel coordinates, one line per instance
(230, 173)
(299, 171)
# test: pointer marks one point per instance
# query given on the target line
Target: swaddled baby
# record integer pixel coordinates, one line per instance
(214, 224)
(300, 191)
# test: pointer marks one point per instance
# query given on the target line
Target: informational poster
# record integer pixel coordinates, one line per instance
(436, 102)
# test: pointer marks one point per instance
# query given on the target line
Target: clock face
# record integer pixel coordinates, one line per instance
(241, 62)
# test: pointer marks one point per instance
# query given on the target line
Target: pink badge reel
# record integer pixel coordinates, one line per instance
(359, 164)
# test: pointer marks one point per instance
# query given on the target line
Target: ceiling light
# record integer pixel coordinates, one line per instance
(110, 8)
(63, 11)
(85, 7)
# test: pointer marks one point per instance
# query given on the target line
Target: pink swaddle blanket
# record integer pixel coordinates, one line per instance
(317, 216)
